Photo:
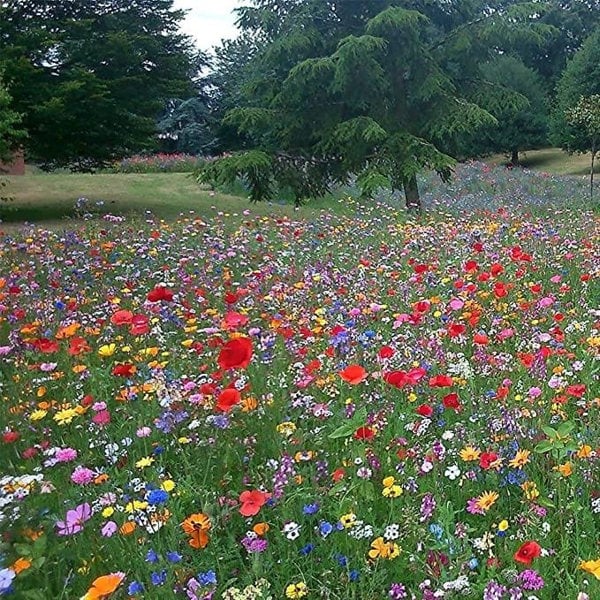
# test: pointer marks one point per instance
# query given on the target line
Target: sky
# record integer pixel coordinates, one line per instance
(209, 21)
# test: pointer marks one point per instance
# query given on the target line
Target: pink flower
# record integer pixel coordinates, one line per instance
(109, 529)
(143, 432)
(98, 406)
(101, 418)
(65, 454)
(82, 475)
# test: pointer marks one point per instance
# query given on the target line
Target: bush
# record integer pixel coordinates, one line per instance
(160, 163)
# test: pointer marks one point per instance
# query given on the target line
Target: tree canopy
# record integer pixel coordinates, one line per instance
(377, 90)
(91, 78)
(10, 133)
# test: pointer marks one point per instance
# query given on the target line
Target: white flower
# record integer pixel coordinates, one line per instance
(426, 466)
(452, 472)
(291, 530)
(392, 532)
(447, 435)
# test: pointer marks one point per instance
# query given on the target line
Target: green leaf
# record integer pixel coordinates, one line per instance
(549, 431)
(350, 427)
(543, 447)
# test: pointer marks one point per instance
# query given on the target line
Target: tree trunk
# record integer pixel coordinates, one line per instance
(514, 159)
(592, 171)
(411, 193)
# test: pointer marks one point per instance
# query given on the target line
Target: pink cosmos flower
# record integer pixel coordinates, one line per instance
(65, 454)
(82, 475)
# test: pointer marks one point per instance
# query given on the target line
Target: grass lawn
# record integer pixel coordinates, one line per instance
(52, 197)
(551, 160)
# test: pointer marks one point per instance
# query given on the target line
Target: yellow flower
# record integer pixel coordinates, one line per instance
(108, 512)
(487, 500)
(348, 520)
(65, 416)
(566, 469)
(584, 452)
(381, 549)
(591, 566)
(530, 490)
(107, 350)
(38, 415)
(296, 590)
(286, 428)
(503, 525)
(135, 505)
(168, 485)
(520, 460)
(468, 453)
(393, 491)
(389, 481)
(144, 462)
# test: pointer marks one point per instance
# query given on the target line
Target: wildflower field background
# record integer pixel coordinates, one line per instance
(351, 405)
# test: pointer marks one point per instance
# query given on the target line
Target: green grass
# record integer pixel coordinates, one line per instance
(52, 197)
(551, 160)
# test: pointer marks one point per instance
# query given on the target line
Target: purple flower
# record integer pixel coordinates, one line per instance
(531, 580)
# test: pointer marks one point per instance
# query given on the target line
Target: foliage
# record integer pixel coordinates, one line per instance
(265, 406)
(376, 90)
(519, 127)
(580, 78)
(585, 115)
(10, 133)
(91, 77)
(159, 163)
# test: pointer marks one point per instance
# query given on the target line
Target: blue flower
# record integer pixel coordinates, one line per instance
(208, 578)
(135, 587)
(157, 497)
(310, 509)
(174, 557)
(354, 575)
(325, 528)
(342, 560)
(151, 556)
(158, 578)
(307, 549)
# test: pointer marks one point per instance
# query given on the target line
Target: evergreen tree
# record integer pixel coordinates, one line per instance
(91, 78)
(377, 89)
(10, 133)
(580, 78)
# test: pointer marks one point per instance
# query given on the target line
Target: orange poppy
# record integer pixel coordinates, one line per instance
(104, 586)
(353, 374)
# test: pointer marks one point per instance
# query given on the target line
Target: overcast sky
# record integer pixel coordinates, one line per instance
(209, 21)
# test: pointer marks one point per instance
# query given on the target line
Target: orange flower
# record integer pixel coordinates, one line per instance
(104, 586)
(127, 528)
(261, 528)
(21, 564)
(196, 526)
(353, 374)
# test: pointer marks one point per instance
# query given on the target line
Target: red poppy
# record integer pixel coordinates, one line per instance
(10, 437)
(441, 381)
(364, 433)
(235, 354)
(424, 410)
(452, 401)
(527, 552)
(46, 346)
(121, 317)
(481, 339)
(78, 345)
(233, 320)
(455, 329)
(353, 374)
(252, 501)
(228, 399)
(159, 293)
(396, 378)
(487, 459)
(124, 370)
(386, 352)
(139, 325)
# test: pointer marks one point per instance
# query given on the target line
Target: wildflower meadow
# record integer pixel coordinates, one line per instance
(354, 406)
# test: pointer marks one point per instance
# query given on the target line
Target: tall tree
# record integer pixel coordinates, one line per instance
(519, 128)
(375, 89)
(585, 116)
(580, 78)
(10, 133)
(91, 78)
